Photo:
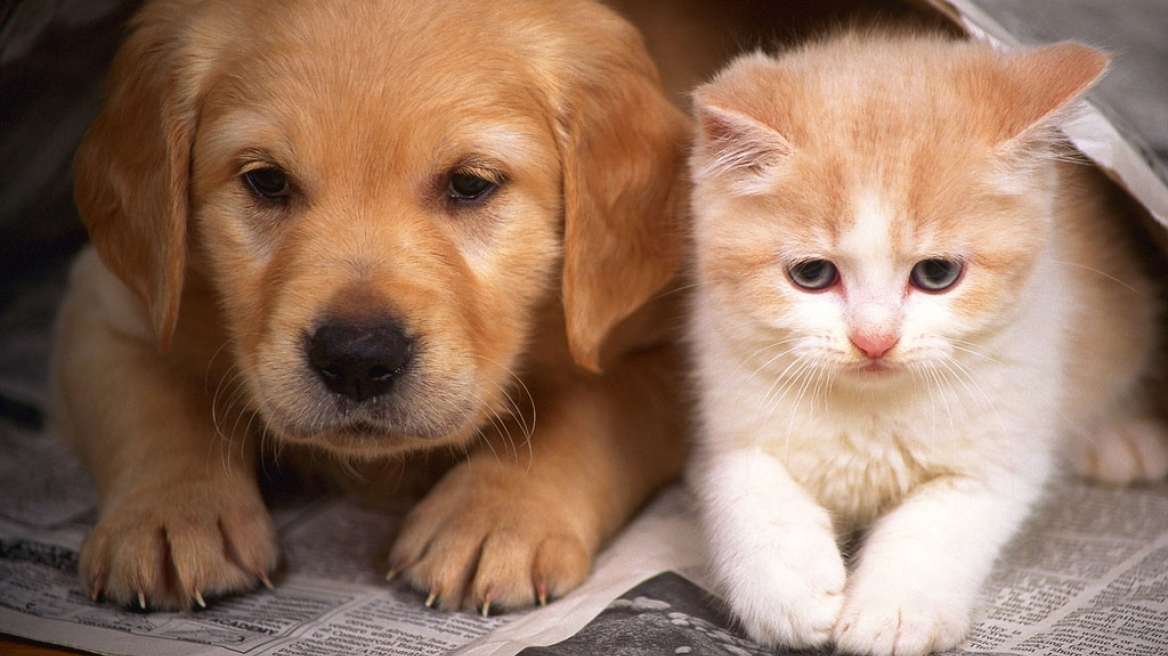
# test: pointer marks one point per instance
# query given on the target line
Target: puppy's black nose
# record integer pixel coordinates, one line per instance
(359, 359)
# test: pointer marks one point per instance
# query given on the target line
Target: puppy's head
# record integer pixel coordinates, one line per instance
(383, 195)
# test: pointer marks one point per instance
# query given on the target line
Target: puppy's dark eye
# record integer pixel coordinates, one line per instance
(466, 186)
(936, 274)
(268, 183)
(813, 275)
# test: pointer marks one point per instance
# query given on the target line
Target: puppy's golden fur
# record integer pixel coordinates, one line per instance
(385, 240)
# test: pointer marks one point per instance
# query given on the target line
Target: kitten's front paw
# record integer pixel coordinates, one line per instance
(887, 618)
(790, 596)
(1128, 452)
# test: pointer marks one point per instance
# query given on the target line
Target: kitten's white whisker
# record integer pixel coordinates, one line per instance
(962, 375)
(794, 409)
(780, 383)
(972, 349)
(1105, 276)
(936, 384)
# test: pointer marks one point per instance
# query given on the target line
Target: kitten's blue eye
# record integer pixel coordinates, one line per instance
(936, 274)
(813, 275)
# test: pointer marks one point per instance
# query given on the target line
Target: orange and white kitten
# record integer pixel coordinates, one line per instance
(904, 301)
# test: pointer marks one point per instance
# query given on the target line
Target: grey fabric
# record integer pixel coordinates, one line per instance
(1134, 31)
(53, 56)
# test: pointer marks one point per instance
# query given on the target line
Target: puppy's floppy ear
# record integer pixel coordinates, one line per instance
(132, 168)
(623, 146)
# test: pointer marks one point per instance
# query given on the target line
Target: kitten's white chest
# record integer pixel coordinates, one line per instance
(858, 466)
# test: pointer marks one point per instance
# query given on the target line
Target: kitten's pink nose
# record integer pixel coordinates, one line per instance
(875, 345)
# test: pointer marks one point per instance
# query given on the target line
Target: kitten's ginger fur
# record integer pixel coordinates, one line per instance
(905, 300)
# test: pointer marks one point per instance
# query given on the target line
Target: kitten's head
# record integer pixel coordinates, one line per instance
(876, 203)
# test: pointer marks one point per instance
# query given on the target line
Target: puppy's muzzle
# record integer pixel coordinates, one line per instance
(359, 359)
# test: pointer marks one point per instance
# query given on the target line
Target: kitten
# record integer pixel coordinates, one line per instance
(905, 299)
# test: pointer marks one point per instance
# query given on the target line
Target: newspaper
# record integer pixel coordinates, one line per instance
(1087, 574)
(330, 597)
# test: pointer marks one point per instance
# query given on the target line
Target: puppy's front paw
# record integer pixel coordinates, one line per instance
(169, 549)
(790, 594)
(895, 617)
(490, 539)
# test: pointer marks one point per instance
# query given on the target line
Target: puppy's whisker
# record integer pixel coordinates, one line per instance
(491, 445)
(504, 391)
(505, 398)
(348, 467)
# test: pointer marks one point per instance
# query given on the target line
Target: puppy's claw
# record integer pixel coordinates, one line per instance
(486, 605)
(541, 592)
(141, 600)
(263, 577)
(433, 597)
(199, 599)
(94, 588)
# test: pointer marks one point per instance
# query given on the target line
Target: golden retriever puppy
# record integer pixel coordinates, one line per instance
(395, 243)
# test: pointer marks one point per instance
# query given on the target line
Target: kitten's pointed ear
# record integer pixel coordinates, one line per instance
(1049, 80)
(733, 144)
(730, 143)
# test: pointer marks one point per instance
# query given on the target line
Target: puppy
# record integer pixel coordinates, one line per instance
(387, 242)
